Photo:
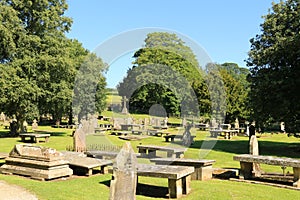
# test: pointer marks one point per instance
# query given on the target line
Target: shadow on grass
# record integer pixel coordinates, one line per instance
(280, 149)
(146, 190)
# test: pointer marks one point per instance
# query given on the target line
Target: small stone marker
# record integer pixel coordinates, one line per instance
(34, 125)
(123, 183)
(253, 150)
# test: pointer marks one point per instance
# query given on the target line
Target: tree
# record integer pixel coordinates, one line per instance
(168, 53)
(275, 67)
(89, 89)
(38, 63)
(237, 89)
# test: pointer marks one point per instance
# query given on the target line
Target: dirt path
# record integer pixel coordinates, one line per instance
(14, 192)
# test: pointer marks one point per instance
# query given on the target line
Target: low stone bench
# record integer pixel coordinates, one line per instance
(247, 160)
(85, 165)
(172, 137)
(203, 168)
(34, 137)
(149, 151)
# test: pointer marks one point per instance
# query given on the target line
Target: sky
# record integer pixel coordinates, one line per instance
(115, 29)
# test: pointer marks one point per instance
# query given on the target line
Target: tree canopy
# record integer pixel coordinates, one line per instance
(168, 52)
(38, 62)
(275, 68)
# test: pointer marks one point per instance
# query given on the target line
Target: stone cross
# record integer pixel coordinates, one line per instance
(253, 150)
(124, 107)
(123, 183)
(34, 125)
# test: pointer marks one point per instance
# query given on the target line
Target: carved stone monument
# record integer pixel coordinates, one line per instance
(123, 183)
(124, 105)
(253, 150)
(187, 139)
(39, 163)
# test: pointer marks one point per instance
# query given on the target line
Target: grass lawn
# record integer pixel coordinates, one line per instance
(97, 186)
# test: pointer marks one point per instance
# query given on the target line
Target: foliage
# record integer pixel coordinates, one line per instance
(38, 62)
(237, 89)
(275, 67)
(167, 57)
(89, 89)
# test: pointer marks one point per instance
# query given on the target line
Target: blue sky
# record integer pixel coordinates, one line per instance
(222, 28)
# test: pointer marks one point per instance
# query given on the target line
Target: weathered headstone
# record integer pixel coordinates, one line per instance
(184, 123)
(25, 125)
(123, 183)
(165, 122)
(214, 123)
(79, 136)
(236, 123)
(253, 150)
(34, 125)
(187, 139)
(282, 127)
(13, 126)
(124, 105)
(2, 117)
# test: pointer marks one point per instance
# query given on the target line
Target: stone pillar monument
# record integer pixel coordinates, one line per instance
(124, 105)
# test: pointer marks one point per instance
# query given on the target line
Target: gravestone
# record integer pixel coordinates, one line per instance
(184, 122)
(165, 122)
(282, 127)
(34, 125)
(236, 124)
(124, 105)
(13, 126)
(214, 123)
(123, 183)
(25, 125)
(117, 123)
(39, 163)
(253, 150)
(157, 122)
(2, 117)
(187, 139)
(79, 141)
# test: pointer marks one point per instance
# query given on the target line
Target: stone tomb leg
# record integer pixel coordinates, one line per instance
(296, 179)
(246, 170)
(178, 187)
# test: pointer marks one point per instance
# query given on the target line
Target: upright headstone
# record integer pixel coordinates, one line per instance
(253, 150)
(214, 123)
(282, 127)
(34, 125)
(123, 183)
(79, 137)
(187, 139)
(2, 117)
(124, 105)
(184, 122)
(25, 125)
(236, 123)
(165, 122)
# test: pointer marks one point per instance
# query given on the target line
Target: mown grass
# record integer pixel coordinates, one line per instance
(97, 186)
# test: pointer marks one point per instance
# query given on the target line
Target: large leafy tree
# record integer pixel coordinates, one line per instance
(166, 51)
(38, 62)
(275, 67)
